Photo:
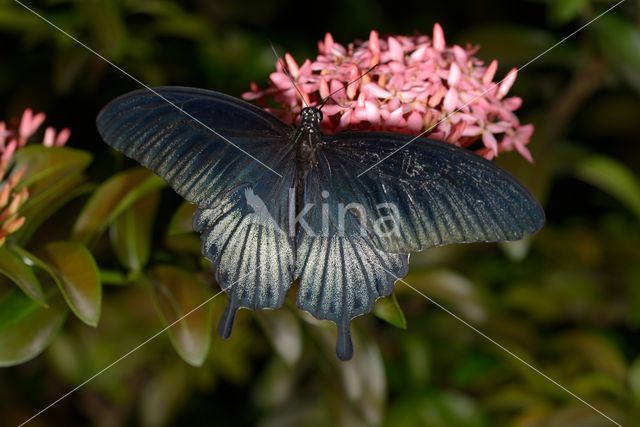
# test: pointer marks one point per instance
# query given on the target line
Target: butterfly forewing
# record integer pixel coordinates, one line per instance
(176, 132)
(427, 194)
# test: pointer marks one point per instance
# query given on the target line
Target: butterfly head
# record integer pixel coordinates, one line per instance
(310, 118)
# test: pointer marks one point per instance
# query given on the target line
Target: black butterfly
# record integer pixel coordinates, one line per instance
(278, 204)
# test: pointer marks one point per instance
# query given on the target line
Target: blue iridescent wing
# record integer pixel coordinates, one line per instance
(435, 193)
(172, 135)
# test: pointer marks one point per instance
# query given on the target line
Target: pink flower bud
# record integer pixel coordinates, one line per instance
(438, 37)
(506, 83)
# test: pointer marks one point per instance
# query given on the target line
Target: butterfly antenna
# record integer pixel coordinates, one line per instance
(286, 72)
(324, 101)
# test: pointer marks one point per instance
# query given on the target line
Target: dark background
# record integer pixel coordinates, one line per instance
(568, 300)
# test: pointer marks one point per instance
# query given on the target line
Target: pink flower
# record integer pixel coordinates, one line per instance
(10, 203)
(419, 84)
(12, 198)
(51, 139)
(29, 124)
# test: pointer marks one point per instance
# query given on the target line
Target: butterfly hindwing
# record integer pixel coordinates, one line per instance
(340, 276)
(248, 244)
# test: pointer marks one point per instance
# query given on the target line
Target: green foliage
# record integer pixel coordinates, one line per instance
(111, 199)
(389, 310)
(562, 11)
(131, 233)
(20, 273)
(26, 327)
(32, 317)
(75, 272)
(566, 300)
(55, 177)
(177, 294)
(619, 42)
(613, 177)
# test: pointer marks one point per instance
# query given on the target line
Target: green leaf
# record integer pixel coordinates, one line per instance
(111, 199)
(112, 277)
(516, 250)
(131, 232)
(363, 379)
(633, 379)
(177, 292)
(163, 395)
(27, 328)
(601, 353)
(274, 386)
(18, 20)
(75, 272)
(39, 208)
(49, 163)
(15, 269)
(448, 287)
(283, 331)
(184, 244)
(472, 369)
(54, 177)
(182, 220)
(619, 42)
(612, 177)
(105, 21)
(184, 26)
(390, 311)
(563, 11)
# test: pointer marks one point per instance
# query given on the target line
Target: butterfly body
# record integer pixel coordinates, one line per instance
(307, 139)
(277, 206)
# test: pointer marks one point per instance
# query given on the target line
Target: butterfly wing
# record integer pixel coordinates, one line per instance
(429, 193)
(226, 156)
(203, 143)
(249, 245)
(340, 276)
(353, 240)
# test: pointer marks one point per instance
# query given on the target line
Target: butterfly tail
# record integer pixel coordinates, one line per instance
(344, 345)
(226, 321)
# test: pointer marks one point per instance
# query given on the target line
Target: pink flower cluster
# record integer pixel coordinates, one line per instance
(11, 199)
(419, 84)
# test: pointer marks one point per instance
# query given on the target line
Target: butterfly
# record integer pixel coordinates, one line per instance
(278, 204)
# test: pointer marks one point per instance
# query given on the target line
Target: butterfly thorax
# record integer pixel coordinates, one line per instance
(308, 137)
